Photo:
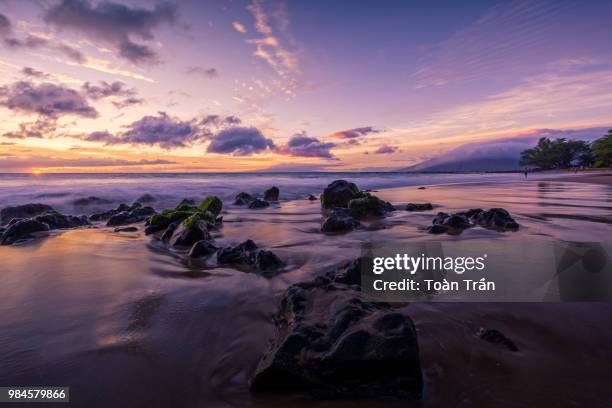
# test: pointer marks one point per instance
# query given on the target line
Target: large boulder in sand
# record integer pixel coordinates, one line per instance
(497, 218)
(21, 229)
(494, 218)
(339, 193)
(271, 194)
(22, 211)
(333, 344)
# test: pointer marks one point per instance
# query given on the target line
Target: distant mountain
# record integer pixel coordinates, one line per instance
(500, 154)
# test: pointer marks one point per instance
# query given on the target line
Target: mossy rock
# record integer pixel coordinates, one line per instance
(339, 193)
(369, 206)
(194, 219)
(212, 204)
(187, 207)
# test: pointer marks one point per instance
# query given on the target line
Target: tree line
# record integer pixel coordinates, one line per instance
(563, 153)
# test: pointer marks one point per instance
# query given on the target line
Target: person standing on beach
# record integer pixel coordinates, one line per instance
(525, 172)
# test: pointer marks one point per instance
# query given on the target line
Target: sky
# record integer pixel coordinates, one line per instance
(217, 86)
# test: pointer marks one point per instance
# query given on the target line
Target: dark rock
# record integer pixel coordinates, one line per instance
(495, 336)
(126, 229)
(91, 200)
(121, 218)
(22, 211)
(202, 248)
(339, 220)
(22, 229)
(271, 194)
(311, 197)
(369, 206)
(146, 198)
(129, 215)
(422, 188)
(437, 229)
(187, 201)
(419, 207)
(190, 231)
(497, 218)
(243, 199)
(339, 193)
(248, 255)
(456, 221)
(332, 344)
(56, 220)
(257, 203)
(212, 204)
(167, 235)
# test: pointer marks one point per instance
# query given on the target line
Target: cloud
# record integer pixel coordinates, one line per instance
(31, 41)
(34, 73)
(238, 26)
(124, 103)
(239, 141)
(105, 90)
(161, 130)
(40, 128)
(101, 136)
(28, 162)
(354, 133)
(5, 25)
(385, 149)
(218, 121)
(305, 146)
(114, 24)
(269, 47)
(113, 90)
(207, 72)
(45, 99)
(72, 53)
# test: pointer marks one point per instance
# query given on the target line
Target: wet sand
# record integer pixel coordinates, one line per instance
(605, 179)
(124, 322)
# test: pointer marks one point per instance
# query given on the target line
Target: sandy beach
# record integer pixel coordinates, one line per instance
(605, 179)
(136, 316)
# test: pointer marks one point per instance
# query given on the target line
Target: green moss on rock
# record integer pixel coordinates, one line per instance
(212, 204)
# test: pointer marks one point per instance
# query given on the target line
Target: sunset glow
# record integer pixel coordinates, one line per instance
(249, 85)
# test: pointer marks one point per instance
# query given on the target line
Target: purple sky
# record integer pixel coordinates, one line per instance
(326, 85)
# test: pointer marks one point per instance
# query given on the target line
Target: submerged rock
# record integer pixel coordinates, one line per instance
(187, 201)
(146, 198)
(206, 211)
(495, 218)
(257, 203)
(248, 254)
(339, 220)
(332, 344)
(271, 194)
(495, 336)
(243, 199)
(22, 211)
(202, 248)
(311, 197)
(91, 200)
(126, 229)
(419, 207)
(339, 193)
(20, 229)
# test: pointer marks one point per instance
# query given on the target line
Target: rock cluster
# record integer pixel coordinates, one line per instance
(188, 226)
(22, 211)
(333, 344)
(253, 203)
(345, 204)
(494, 218)
(20, 229)
(419, 207)
(124, 214)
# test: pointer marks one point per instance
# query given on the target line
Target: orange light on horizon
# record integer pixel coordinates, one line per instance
(36, 172)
